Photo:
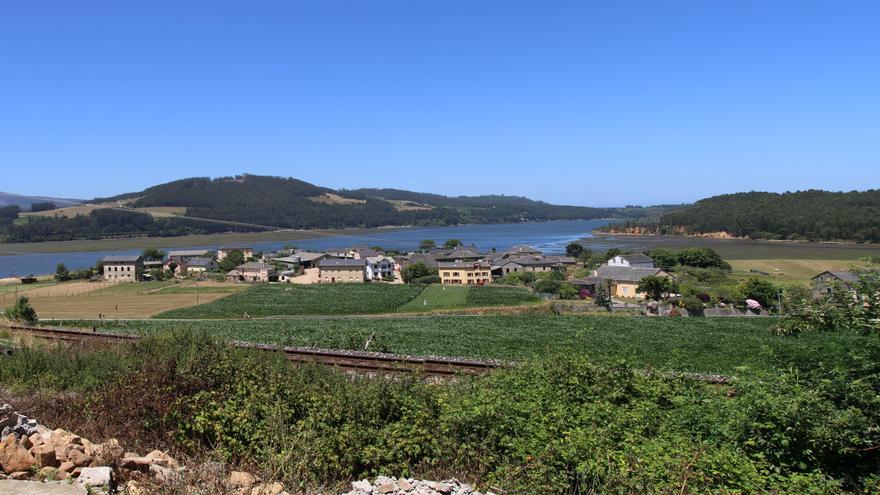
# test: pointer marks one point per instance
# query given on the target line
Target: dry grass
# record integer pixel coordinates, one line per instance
(163, 211)
(335, 199)
(86, 300)
(68, 211)
(402, 205)
(786, 270)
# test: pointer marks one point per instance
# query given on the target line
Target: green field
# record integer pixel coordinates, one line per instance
(720, 345)
(438, 297)
(292, 300)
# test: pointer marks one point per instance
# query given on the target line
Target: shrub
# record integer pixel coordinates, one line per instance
(22, 311)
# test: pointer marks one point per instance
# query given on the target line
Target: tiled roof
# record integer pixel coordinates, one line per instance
(625, 273)
(119, 258)
(346, 262)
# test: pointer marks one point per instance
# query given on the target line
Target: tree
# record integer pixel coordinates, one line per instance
(153, 254)
(452, 243)
(567, 291)
(417, 271)
(22, 311)
(574, 249)
(43, 206)
(702, 258)
(62, 274)
(231, 261)
(656, 288)
(760, 290)
(602, 298)
(427, 245)
(663, 258)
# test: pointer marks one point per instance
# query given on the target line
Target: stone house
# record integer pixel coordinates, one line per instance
(252, 272)
(348, 270)
(226, 250)
(123, 268)
(825, 282)
(465, 272)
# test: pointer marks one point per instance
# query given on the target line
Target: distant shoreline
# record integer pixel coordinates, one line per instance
(734, 238)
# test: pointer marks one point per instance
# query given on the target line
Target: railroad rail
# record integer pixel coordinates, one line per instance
(355, 361)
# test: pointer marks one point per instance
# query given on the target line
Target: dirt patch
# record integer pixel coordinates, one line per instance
(335, 199)
(401, 205)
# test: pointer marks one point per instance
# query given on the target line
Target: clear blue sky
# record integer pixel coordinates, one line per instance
(593, 103)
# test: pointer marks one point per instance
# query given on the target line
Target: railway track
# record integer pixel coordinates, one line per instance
(354, 361)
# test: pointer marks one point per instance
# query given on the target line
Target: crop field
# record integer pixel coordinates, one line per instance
(141, 300)
(455, 297)
(291, 300)
(719, 345)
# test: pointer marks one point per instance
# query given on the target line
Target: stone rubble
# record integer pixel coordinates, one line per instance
(408, 486)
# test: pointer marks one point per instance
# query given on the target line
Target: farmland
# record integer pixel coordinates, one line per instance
(723, 345)
(439, 297)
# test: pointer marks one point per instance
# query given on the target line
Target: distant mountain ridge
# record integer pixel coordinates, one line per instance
(802, 215)
(24, 202)
(296, 204)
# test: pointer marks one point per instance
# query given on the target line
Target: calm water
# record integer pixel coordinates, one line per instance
(550, 237)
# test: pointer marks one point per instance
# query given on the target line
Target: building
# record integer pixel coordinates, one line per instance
(622, 281)
(379, 268)
(197, 265)
(304, 259)
(252, 272)
(460, 254)
(825, 282)
(465, 272)
(185, 254)
(362, 253)
(637, 260)
(347, 270)
(533, 264)
(123, 268)
(224, 251)
(522, 250)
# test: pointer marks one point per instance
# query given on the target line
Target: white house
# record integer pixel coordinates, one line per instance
(379, 267)
(637, 260)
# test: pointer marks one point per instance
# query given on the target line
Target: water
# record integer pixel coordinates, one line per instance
(550, 237)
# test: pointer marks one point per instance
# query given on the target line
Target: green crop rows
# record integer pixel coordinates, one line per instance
(466, 296)
(698, 344)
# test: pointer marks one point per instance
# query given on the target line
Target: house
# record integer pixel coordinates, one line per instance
(523, 251)
(185, 254)
(534, 264)
(379, 267)
(465, 272)
(824, 283)
(197, 265)
(224, 251)
(304, 259)
(252, 271)
(124, 268)
(637, 260)
(462, 254)
(347, 270)
(621, 281)
(362, 253)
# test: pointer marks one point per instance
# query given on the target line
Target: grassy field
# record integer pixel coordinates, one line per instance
(438, 297)
(290, 300)
(720, 345)
(142, 300)
(784, 271)
(18, 287)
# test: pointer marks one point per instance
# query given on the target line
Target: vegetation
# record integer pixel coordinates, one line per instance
(230, 261)
(286, 300)
(657, 288)
(467, 296)
(43, 206)
(566, 423)
(419, 273)
(22, 311)
(803, 215)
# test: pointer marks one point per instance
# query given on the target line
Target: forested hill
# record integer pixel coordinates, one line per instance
(292, 203)
(803, 215)
(252, 202)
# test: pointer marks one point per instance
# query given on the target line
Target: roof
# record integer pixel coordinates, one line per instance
(625, 273)
(379, 259)
(463, 264)
(848, 277)
(254, 265)
(233, 247)
(523, 250)
(188, 253)
(309, 256)
(117, 258)
(199, 261)
(342, 263)
(536, 260)
(637, 258)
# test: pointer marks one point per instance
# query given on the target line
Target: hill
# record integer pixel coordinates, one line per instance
(803, 215)
(25, 202)
(253, 202)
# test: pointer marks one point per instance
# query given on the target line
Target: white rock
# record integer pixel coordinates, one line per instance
(95, 477)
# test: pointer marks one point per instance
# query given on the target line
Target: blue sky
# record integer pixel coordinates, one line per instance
(592, 103)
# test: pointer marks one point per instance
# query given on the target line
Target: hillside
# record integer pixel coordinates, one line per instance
(251, 202)
(25, 202)
(803, 215)
(292, 203)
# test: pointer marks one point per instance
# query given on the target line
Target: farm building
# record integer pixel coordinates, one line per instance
(122, 268)
(622, 281)
(252, 272)
(224, 251)
(825, 282)
(465, 273)
(348, 270)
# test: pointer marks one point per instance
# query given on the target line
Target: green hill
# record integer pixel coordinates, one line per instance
(803, 215)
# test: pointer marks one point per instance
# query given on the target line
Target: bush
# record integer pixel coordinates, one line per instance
(22, 311)
(693, 305)
(428, 279)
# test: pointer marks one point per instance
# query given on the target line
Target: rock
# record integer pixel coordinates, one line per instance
(135, 488)
(387, 487)
(13, 457)
(39, 488)
(16, 424)
(240, 479)
(107, 452)
(47, 473)
(441, 487)
(61, 475)
(404, 485)
(164, 474)
(162, 459)
(96, 477)
(136, 463)
(20, 475)
(66, 466)
(273, 488)
(362, 486)
(45, 455)
(75, 454)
